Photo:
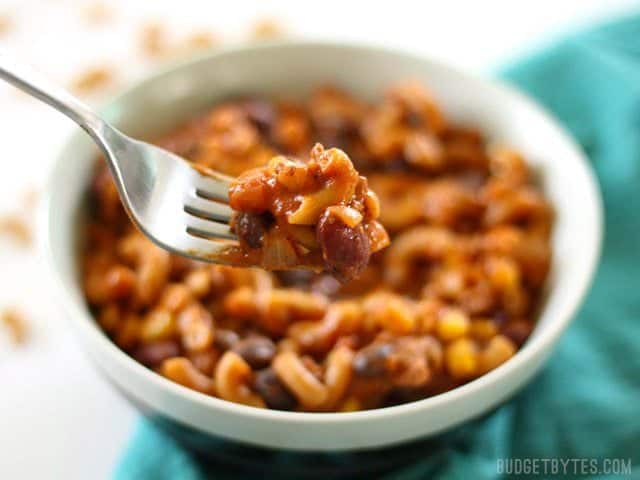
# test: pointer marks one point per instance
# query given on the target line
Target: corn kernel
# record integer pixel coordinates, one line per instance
(483, 329)
(461, 358)
(498, 350)
(350, 404)
(503, 273)
(452, 324)
(397, 316)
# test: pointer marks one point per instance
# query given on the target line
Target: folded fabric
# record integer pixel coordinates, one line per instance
(586, 403)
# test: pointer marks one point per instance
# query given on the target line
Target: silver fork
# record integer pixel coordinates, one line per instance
(177, 207)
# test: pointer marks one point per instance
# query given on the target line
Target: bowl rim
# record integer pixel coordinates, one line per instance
(84, 321)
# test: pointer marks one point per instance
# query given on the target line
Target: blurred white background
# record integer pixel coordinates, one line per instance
(59, 418)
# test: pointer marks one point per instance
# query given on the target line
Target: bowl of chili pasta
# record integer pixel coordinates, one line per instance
(494, 223)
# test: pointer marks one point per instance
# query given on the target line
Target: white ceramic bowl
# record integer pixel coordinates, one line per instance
(162, 100)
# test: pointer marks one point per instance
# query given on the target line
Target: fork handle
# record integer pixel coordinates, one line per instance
(38, 86)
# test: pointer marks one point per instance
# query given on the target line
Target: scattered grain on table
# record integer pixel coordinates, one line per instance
(98, 14)
(199, 40)
(15, 227)
(153, 40)
(29, 198)
(6, 24)
(267, 29)
(15, 324)
(93, 79)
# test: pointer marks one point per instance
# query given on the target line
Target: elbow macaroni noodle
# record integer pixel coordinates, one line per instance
(453, 296)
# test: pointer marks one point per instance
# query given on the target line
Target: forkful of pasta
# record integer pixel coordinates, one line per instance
(318, 215)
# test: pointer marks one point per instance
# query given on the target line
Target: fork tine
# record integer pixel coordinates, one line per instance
(208, 209)
(206, 249)
(213, 188)
(207, 228)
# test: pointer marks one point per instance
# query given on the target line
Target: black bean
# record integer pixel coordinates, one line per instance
(225, 339)
(260, 113)
(345, 250)
(371, 361)
(251, 228)
(256, 350)
(400, 395)
(518, 331)
(500, 318)
(273, 392)
(153, 354)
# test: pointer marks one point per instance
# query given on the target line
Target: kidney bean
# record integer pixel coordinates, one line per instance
(256, 350)
(346, 250)
(272, 391)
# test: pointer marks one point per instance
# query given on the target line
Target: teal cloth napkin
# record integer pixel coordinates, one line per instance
(586, 403)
